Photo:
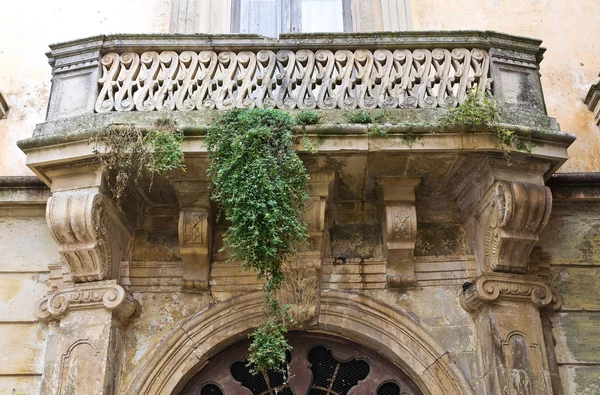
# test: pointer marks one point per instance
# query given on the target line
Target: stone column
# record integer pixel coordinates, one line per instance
(87, 307)
(504, 208)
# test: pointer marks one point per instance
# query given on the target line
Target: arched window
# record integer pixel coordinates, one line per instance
(271, 17)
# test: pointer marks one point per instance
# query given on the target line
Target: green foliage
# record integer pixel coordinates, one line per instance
(410, 138)
(133, 155)
(268, 349)
(363, 117)
(307, 117)
(480, 110)
(377, 131)
(261, 184)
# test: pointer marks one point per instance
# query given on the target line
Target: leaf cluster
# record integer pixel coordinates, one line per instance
(377, 131)
(133, 155)
(269, 346)
(307, 117)
(363, 117)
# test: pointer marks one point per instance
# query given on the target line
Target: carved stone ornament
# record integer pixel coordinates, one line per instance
(85, 232)
(517, 213)
(491, 287)
(285, 79)
(195, 246)
(300, 291)
(399, 229)
(101, 294)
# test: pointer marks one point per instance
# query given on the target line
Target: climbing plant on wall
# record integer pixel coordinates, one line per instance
(260, 184)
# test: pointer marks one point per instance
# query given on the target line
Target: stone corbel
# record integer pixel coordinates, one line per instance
(195, 233)
(492, 287)
(515, 215)
(90, 233)
(320, 188)
(399, 228)
(101, 294)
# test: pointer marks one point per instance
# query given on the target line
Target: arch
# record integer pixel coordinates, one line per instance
(349, 315)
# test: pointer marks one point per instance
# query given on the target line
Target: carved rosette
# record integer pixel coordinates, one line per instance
(518, 213)
(492, 287)
(102, 294)
(80, 224)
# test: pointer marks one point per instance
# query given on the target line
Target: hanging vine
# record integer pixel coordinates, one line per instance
(260, 183)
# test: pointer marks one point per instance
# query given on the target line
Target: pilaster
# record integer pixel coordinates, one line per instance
(87, 309)
(399, 229)
(83, 349)
(504, 208)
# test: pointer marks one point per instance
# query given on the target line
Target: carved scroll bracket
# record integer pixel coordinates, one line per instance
(90, 233)
(102, 294)
(504, 211)
(399, 228)
(195, 233)
(492, 287)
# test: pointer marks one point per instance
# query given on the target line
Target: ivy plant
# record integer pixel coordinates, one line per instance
(133, 154)
(260, 183)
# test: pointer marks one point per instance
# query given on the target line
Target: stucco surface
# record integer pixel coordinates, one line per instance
(26, 245)
(570, 31)
(26, 29)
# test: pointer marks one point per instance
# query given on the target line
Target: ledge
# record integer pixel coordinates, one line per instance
(592, 100)
(580, 187)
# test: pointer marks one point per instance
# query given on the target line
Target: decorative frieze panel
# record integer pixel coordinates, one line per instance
(88, 232)
(102, 294)
(492, 287)
(399, 228)
(289, 79)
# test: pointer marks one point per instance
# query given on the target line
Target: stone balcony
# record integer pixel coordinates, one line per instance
(368, 193)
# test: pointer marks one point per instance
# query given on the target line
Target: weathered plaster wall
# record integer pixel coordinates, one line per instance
(26, 249)
(572, 240)
(569, 29)
(26, 29)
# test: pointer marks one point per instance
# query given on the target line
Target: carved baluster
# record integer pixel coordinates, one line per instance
(184, 94)
(110, 70)
(247, 66)
(207, 66)
(144, 96)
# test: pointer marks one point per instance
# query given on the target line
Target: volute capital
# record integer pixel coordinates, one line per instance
(102, 294)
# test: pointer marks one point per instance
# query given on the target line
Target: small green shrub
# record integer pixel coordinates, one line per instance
(377, 131)
(409, 139)
(134, 155)
(360, 116)
(307, 117)
(480, 110)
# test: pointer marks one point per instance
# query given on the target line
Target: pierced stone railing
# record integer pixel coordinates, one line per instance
(311, 71)
(287, 79)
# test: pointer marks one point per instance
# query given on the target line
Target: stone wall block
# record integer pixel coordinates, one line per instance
(517, 80)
